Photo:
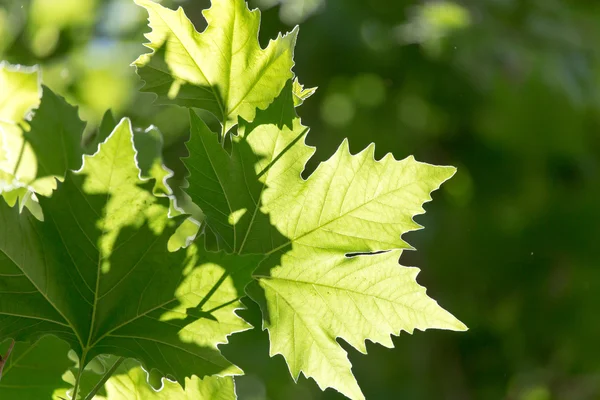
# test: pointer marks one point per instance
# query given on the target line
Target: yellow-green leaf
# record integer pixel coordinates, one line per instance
(223, 69)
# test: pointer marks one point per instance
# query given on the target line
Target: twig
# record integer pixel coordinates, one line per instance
(4, 359)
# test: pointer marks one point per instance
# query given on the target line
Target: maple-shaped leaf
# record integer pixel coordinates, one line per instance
(97, 273)
(316, 283)
(313, 297)
(223, 69)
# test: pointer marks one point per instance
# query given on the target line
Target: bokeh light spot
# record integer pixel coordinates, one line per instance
(413, 112)
(368, 90)
(338, 110)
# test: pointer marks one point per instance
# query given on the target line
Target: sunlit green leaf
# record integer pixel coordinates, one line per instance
(20, 92)
(98, 275)
(129, 382)
(223, 69)
(301, 93)
(310, 290)
(107, 124)
(130, 288)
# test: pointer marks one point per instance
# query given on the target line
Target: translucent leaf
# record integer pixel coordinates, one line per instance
(129, 382)
(223, 69)
(20, 91)
(321, 277)
(98, 275)
(33, 152)
(301, 93)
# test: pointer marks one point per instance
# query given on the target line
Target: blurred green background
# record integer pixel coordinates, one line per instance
(506, 90)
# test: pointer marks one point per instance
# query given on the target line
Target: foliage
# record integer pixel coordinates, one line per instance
(504, 90)
(108, 260)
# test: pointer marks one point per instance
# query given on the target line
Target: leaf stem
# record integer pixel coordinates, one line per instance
(19, 159)
(4, 359)
(223, 133)
(79, 374)
(105, 378)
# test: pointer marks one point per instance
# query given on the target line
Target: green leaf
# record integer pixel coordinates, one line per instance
(54, 377)
(20, 91)
(93, 377)
(301, 93)
(149, 145)
(228, 188)
(98, 275)
(316, 283)
(55, 136)
(352, 204)
(223, 69)
(47, 359)
(49, 145)
(13, 194)
(129, 382)
(55, 369)
(107, 124)
(314, 298)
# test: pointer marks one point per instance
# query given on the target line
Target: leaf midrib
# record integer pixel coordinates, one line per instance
(265, 279)
(257, 79)
(295, 239)
(221, 106)
(100, 258)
